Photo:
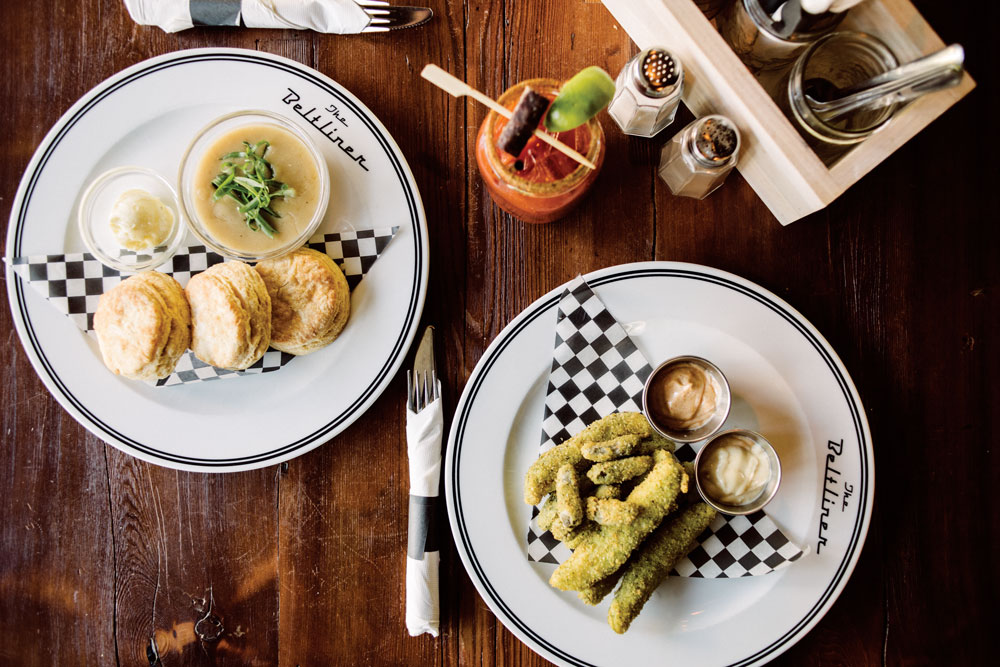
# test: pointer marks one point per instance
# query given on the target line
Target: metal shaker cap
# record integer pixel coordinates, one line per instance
(657, 72)
(716, 140)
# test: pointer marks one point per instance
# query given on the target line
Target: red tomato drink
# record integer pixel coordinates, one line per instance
(541, 184)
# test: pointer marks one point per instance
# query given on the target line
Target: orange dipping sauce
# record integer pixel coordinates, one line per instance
(548, 183)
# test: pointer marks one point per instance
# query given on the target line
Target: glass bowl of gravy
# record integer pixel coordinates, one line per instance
(737, 472)
(686, 399)
(253, 186)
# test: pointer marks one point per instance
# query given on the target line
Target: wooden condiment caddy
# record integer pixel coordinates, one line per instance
(777, 163)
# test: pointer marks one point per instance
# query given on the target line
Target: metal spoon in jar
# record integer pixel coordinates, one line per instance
(942, 69)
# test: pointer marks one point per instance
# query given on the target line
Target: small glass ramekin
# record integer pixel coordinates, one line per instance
(94, 219)
(722, 404)
(766, 494)
(196, 150)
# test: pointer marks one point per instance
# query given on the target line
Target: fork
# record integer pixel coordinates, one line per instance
(385, 17)
(423, 392)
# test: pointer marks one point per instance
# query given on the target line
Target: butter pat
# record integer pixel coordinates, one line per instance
(140, 221)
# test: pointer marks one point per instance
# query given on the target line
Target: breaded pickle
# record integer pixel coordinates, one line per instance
(606, 450)
(549, 510)
(660, 491)
(581, 534)
(615, 472)
(607, 491)
(608, 549)
(654, 562)
(593, 595)
(541, 476)
(568, 500)
(653, 442)
(571, 536)
(611, 512)
(548, 513)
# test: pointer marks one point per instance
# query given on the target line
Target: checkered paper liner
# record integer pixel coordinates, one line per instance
(597, 370)
(74, 283)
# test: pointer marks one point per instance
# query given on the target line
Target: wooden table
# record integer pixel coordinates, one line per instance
(103, 556)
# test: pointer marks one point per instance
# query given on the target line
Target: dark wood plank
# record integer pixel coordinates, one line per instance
(56, 556)
(196, 561)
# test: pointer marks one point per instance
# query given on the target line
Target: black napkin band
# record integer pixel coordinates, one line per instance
(215, 12)
(422, 527)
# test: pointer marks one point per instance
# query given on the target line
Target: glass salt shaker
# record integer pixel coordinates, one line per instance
(698, 159)
(647, 92)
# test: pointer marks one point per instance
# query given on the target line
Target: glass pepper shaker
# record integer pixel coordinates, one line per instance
(647, 92)
(698, 159)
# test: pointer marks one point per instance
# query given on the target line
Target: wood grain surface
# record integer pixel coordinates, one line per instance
(105, 559)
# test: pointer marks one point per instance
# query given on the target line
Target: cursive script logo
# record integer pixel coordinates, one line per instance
(314, 118)
(832, 478)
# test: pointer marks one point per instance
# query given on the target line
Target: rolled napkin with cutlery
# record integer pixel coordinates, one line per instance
(330, 16)
(423, 447)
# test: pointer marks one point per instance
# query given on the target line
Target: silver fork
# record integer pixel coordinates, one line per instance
(385, 17)
(423, 391)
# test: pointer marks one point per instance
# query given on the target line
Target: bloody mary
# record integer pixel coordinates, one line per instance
(541, 184)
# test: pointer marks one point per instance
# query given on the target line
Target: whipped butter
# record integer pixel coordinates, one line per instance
(140, 221)
(735, 470)
(683, 396)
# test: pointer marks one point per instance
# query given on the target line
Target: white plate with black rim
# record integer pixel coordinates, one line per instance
(146, 115)
(787, 383)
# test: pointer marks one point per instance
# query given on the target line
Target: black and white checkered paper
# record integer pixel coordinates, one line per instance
(597, 370)
(74, 283)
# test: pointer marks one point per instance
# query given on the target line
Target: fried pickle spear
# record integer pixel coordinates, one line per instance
(568, 500)
(611, 512)
(609, 548)
(548, 513)
(541, 476)
(616, 472)
(653, 442)
(654, 562)
(610, 449)
(571, 537)
(604, 491)
(593, 595)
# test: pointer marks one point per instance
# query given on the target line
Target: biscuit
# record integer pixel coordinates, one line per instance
(143, 326)
(230, 316)
(310, 300)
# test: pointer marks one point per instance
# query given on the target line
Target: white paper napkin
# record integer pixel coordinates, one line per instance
(330, 16)
(423, 446)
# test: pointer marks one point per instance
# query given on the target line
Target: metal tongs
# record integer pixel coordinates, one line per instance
(942, 69)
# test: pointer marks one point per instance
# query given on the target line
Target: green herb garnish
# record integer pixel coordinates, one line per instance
(248, 178)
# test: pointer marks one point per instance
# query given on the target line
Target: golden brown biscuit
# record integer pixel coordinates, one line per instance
(310, 300)
(230, 315)
(143, 326)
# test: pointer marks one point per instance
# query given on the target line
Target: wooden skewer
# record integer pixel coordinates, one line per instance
(457, 88)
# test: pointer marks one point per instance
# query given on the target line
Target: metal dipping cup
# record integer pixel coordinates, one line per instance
(769, 489)
(722, 405)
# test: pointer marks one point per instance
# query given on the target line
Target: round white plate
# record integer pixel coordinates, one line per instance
(146, 115)
(787, 384)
